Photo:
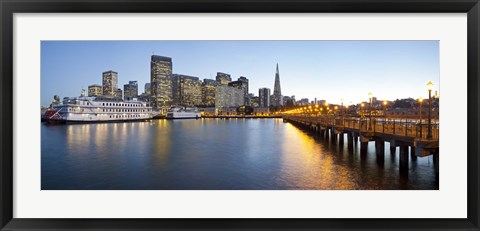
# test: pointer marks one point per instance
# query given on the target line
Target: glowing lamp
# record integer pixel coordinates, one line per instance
(430, 85)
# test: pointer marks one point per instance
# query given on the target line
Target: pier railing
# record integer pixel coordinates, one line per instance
(388, 126)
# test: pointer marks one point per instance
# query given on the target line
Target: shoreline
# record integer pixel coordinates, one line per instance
(158, 118)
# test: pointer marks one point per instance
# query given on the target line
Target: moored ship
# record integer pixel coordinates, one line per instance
(98, 109)
(183, 113)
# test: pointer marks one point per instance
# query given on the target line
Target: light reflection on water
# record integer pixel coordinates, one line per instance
(214, 154)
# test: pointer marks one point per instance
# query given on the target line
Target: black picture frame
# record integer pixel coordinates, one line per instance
(10, 7)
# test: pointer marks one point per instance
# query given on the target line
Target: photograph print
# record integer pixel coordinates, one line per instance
(240, 115)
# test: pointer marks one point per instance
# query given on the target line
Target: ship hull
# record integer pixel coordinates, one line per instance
(179, 118)
(183, 115)
(94, 121)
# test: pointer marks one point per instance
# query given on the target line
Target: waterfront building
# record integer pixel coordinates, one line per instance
(226, 96)
(109, 82)
(241, 83)
(207, 111)
(264, 97)
(226, 111)
(244, 110)
(187, 90)
(223, 78)
(209, 86)
(161, 83)
(130, 90)
(95, 90)
(277, 99)
(261, 111)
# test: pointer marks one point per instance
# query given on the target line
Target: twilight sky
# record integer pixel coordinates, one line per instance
(329, 70)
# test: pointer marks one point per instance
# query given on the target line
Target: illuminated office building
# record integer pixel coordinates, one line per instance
(187, 90)
(119, 93)
(223, 78)
(130, 90)
(227, 97)
(161, 82)
(241, 83)
(94, 90)
(254, 101)
(109, 82)
(209, 86)
(264, 97)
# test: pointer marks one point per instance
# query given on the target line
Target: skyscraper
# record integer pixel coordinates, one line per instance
(161, 82)
(110, 83)
(209, 87)
(241, 83)
(130, 90)
(277, 92)
(264, 97)
(227, 97)
(187, 90)
(223, 78)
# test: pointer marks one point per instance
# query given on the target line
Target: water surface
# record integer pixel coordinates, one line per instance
(215, 154)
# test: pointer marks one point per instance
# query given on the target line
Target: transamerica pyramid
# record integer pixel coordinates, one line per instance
(277, 92)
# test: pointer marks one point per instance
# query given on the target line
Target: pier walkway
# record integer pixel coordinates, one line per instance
(399, 132)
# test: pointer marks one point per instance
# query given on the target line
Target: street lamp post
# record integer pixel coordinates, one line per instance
(385, 109)
(335, 108)
(326, 108)
(430, 88)
(370, 96)
(420, 101)
(362, 114)
(341, 112)
(384, 114)
(346, 112)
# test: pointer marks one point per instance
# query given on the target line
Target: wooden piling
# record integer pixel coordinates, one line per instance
(380, 148)
(403, 158)
(413, 156)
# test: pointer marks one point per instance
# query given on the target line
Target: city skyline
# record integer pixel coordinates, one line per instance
(328, 70)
